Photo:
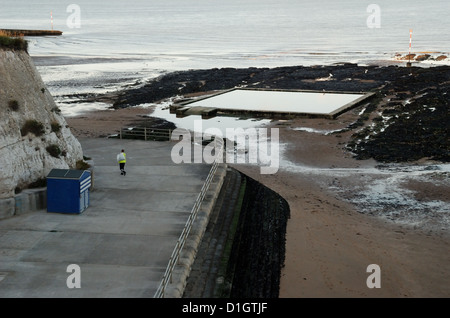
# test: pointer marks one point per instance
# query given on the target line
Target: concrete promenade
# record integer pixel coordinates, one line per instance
(123, 242)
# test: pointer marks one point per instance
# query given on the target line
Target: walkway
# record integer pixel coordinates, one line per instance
(123, 241)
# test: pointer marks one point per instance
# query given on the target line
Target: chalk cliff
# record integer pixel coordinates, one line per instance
(34, 136)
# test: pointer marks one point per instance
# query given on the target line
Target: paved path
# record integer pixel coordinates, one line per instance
(122, 242)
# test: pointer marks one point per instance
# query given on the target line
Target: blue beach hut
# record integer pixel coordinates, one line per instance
(68, 190)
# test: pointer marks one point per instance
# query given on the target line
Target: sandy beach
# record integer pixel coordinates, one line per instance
(329, 242)
(102, 123)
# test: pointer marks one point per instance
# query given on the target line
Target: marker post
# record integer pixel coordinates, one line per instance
(409, 54)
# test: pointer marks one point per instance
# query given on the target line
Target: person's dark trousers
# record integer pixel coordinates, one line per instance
(122, 168)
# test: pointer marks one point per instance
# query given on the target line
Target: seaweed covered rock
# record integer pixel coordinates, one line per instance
(414, 121)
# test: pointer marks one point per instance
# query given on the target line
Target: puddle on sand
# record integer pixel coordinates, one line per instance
(197, 124)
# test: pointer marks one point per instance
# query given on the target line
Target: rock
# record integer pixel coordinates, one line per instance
(423, 57)
(289, 77)
(404, 140)
(408, 57)
(415, 132)
(441, 57)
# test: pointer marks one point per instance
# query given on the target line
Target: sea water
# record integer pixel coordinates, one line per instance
(108, 44)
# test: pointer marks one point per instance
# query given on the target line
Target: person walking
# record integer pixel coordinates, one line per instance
(122, 159)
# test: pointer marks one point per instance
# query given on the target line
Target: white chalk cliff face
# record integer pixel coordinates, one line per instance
(26, 157)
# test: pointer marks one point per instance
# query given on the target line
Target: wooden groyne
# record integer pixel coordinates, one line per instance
(18, 32)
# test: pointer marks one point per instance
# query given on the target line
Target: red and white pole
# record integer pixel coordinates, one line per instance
(410, 41)
(409, 53)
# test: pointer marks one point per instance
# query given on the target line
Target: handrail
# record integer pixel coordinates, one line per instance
(145, 133)
(167, 278)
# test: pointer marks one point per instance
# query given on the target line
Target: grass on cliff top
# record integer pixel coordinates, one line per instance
(17, 43)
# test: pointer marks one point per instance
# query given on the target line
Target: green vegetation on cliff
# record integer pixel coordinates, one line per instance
(17, 43)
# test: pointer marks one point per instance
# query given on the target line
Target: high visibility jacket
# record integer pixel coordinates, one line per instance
(122, 157)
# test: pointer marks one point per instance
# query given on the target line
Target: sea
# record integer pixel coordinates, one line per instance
(107, 45)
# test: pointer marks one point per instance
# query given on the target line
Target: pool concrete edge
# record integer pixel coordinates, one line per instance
(182, 108)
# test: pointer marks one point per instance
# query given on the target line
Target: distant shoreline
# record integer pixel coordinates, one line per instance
(19, 32)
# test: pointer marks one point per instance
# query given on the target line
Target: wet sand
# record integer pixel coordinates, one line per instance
(103, 123)
(329, 242)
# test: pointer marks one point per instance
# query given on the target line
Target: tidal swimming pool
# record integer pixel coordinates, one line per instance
(280, 101)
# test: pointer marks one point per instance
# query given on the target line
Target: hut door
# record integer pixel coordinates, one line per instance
(84, 200)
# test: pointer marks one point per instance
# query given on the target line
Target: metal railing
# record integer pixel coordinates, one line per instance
(167, 278)
(145, 133)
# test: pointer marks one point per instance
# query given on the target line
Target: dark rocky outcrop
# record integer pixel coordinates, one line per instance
(415, 99)
(414, 120)
(345, 77)
(23, 32)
